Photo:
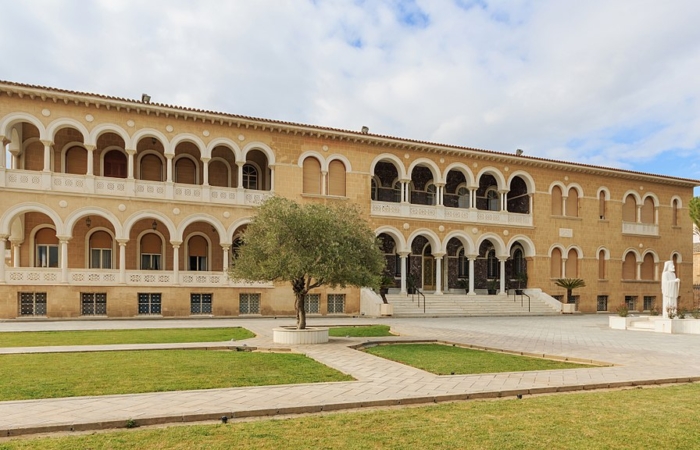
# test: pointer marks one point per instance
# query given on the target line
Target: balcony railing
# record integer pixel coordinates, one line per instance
(120, 187)
(443, 213)
(643, 229)
(49, 276)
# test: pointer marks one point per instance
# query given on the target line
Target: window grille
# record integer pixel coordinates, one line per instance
(630, 301)
(200, 303)
(249, 304)
(649, 301)
(149, 303)
(602, 303)
(32, 303)
(312, 303)
(336, 303)
(93, 303)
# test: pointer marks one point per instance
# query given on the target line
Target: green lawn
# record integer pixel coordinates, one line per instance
(141, 336)
(655, 418)
(49, 375)
(445, 360)
(361, 331)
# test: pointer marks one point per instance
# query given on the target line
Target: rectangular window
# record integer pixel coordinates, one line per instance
(46, 256)
(200, 303)
(602, 303)
(312, 303)
(336, 303)
(249, 304)
(630, 301)
(32, 303)
(93, 303)
(558, 298)
(149, 303)
(150, 261)
(649, 301)
(101, 258)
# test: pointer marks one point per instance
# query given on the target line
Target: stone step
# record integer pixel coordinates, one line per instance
(464, 305)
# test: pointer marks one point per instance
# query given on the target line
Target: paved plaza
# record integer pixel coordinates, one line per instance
(634, 358)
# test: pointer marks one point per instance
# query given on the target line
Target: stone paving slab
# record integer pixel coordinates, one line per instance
(637, 358)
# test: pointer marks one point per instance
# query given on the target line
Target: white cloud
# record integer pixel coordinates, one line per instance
(560, 79)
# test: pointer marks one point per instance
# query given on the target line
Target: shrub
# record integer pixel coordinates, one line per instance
(623, 310)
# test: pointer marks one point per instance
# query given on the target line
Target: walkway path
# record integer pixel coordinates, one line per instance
(638, 358)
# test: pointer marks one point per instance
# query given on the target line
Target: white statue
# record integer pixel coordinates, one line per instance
(670, 285)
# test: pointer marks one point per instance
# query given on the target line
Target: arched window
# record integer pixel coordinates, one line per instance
(648, 267)
(151, 252)
(115, 164)
(648, 210)
(76, 160)
(492, 200)
(397, 191)
(46, 245)
(555, 263)
(572, 203)
(572, 264)
(463, 197)
(462, 264)
(674, 212)
(601, 265)
(629, 267)
(629, 209)
(556, 201)
(336, 178)
(430, 194)
(219, 173)
(518, 262)
(151, 168)
(602, 202)
(493, 267)
(185, 171)
(100, 250)
(312, 176)
(250, 177)
(197, 250)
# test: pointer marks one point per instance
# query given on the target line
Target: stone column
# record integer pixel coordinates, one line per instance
(324, 182)
(239, 165)
(472, 198)
(130, 165)
(502, 269)
(563, 267)
(90, 159)
(656, 215)
(472, 258)
(169, 168)
(176, 260)
(563, 205)
(3, 241)
(404, 257)
(122, 259)
(47, 155)
(639, 213)
(504, 200)
(63, 241)
(16, 243)
(272, 178)
(438, 272)
(639, 270)
(205, 171)
(225, 248)
(531, 205)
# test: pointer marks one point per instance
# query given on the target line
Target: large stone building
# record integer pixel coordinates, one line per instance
(118, 208)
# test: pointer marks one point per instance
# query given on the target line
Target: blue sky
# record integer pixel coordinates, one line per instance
(610, 83)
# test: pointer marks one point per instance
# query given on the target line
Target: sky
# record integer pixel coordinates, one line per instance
(604, 82)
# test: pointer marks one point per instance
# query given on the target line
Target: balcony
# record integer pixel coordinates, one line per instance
(119, 187)
(641, 229)
(86, 277)
(442, 213)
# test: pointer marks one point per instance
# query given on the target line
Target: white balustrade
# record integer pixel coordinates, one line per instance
(150, 189)
(643, 229)
(442, 213)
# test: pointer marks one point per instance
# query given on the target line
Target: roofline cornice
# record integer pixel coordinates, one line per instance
(245, 122)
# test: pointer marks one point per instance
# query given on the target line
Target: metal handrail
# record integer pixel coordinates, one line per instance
(529, 300)
(420, 294)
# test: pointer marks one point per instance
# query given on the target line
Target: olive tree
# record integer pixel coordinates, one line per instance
(694, 211)
(308, 246)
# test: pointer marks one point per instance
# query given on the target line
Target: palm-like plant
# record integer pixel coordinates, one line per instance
(570, 284)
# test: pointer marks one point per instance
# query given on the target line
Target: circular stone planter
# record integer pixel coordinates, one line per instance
(292, 336)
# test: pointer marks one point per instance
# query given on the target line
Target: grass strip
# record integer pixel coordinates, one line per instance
(638, 418)
(445, 360)
(105, 337)
(360, 331)
(51, 375)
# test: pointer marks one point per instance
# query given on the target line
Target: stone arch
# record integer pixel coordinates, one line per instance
(341, 158)
(150, 132)
(653, 253)
(65, 149)
(234, 226)
(102, 128)
(654, 198)
(192, 139)
(464, 238)
(76, 215)
(201, 217)
(11, 120)
(66, 122)
(500, 180)
(11, 213)
(525, 242)
(527, 178)
(633, 193)
(312, 154)
(430, 235)
(498, 245)
(263, 148)
(197, 167)
(143, 154)
(577, 187)
(223, 142)
(561, 186)
(637, 255)
(576, 248)
(461, 167)
(398, 237)
(394, 159)
(430, 164)
(147, 214)
(677, 254)
(605, 251)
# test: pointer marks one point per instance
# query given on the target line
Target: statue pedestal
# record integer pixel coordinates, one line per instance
(292, 336)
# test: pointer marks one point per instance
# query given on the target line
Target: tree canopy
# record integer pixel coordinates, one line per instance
(694, 210)
(308, 246)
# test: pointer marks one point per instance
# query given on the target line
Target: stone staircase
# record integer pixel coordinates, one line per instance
(468, 305)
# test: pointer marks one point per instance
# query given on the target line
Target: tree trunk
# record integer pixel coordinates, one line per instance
(569, 294)
(382, 294)
(300, 310)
